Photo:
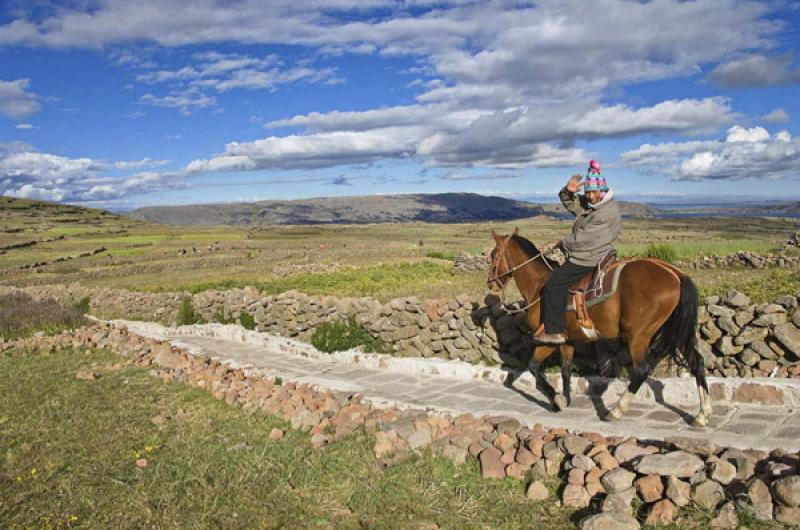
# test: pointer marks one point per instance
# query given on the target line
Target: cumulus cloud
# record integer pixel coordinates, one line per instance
(15, 100)
(743, 153)
(26, 126)
(756, 70)
(26, 172)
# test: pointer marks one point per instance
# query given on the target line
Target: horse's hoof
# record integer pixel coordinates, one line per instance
(614, 414)
(560, 403)
(511, 378)
(700, 421)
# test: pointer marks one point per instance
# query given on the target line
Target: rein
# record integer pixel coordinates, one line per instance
(496, 278)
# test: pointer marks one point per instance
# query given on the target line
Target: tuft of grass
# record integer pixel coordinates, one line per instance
(83, 305)
(22, 316)
(247, 321)
(344, 335)
(662, 251)
(438, 254)
(763, 287)
(220, 317)
(186, 314)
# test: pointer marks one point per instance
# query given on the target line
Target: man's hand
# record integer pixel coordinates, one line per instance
(550, 247)
(574, 183)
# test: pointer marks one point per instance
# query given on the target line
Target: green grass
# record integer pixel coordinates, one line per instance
(763, 287)
(340, 336)
(371, 281)
(70, 447)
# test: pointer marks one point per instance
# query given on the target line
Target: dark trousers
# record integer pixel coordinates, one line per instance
(554, 295)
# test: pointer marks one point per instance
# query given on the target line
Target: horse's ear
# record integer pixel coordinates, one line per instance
(495, 236)
(516, 230)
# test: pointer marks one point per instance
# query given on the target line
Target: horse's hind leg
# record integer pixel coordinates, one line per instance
(706, 409)
(540, 354)
(638, 346)
(562, 401)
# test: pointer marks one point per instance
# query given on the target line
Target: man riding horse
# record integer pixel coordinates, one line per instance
(596, 229)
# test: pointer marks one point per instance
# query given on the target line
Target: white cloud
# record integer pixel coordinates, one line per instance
(15, 101)
(756, 70)
(744, 153)
(25, 172)
(26, 126)
(778, 115)
(186, 102)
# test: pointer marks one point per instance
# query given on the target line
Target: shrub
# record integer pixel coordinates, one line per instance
(438, 254)
(21, 316)
(83, 305)
(246, 320)
(344, 335)
(662, 251)
(186, 314)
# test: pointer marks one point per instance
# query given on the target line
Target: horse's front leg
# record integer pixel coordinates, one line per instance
(562, 400)
(540, 354)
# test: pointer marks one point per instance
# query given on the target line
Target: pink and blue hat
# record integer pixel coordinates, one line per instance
(594, 182)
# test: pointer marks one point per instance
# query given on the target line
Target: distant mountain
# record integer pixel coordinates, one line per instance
(628, 209)
(434, 208)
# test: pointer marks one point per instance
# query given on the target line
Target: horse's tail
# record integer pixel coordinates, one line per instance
(677, 336)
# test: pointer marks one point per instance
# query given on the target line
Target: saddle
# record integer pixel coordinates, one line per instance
(595, 287)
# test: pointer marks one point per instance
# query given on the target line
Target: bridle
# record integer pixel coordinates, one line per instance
(499, 257)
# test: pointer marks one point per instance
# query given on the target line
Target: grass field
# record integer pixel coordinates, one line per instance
(381, 260)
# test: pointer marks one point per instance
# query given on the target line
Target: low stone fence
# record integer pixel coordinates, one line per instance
(466, 263)
(736, 337)
(611, 475)
(742, 258)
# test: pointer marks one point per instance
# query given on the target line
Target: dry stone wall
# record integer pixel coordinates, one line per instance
(736, 336)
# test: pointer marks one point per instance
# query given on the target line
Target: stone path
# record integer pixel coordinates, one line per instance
(385, 382)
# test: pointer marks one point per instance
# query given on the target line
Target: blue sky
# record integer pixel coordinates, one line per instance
(117, 104)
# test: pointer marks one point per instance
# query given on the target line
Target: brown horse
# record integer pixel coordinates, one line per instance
(654, 310)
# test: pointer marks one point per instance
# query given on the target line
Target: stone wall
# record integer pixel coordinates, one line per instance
(743, 258)
(736, 337)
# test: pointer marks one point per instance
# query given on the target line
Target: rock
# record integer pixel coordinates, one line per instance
(662, 512)
(650, 488)
(707, 494)
(457, 455)
(720, 311)
(514, 470)
(551, 452)
(537, 491)
(491, 466)
(628, 451)
(750, 334)
(787, 515)
(726, 346)
(789, 337)
(726, 519)
(619, 501)
(142, 462)
(787, 491)
(727, 325)
(505, 442)
(575, 496)
(723, 472)
(617, 480)
(672, 464)
(524, 456)
(576, 476)
(583, 462)
(276, 434)
(609, 521)
(678, 491)
(771, 319)
(575, 445)
(605, 461)
(419, 439)
(760, 499)
(736, 299)
(748, 357)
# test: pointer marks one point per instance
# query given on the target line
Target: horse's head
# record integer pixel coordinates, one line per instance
(500, 270)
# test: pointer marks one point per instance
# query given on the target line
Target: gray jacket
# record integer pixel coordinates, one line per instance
(596, 228)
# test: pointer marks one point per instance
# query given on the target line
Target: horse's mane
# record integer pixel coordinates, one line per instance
(530, 249)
